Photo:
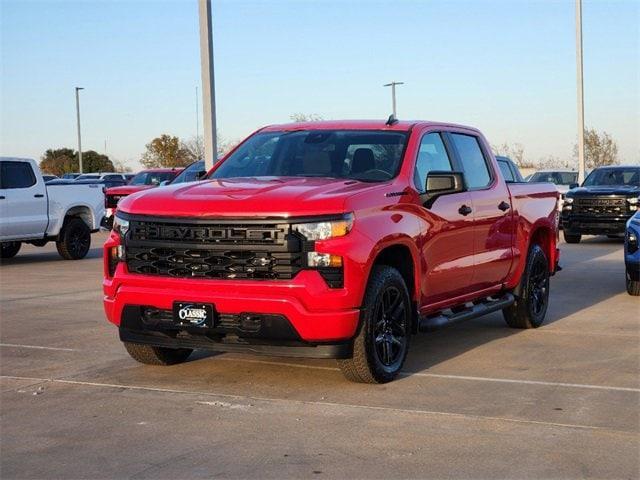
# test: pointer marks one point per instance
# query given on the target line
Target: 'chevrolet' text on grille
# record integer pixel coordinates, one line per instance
(204, 233)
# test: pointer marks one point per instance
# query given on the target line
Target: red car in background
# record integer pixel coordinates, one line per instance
(143, 180)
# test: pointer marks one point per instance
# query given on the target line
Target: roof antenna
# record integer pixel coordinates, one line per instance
(392, 120)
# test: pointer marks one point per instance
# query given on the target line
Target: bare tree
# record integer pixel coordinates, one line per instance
(121, 167)
(515, 152)
(305, 117)
(599, 149)
(195, 147)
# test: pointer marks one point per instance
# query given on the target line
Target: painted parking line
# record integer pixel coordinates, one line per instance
(245, 398)
(37, 347)
(451, 377)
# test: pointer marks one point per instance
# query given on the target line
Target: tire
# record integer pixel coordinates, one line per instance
(633, 285)
(74, 240)
(382, 342)
(571, 238)
(532, 302)
(150, 355)
(9, 249)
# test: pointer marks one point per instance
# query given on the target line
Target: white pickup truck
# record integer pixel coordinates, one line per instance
(31, 212)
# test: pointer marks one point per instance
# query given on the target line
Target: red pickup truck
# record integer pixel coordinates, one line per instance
(332, 239)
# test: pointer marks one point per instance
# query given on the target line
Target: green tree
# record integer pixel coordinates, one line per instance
(599, 149)
(93, 161)
(165, 151)
(65, 160)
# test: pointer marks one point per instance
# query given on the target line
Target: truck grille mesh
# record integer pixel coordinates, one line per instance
(214, 250)
(605, 206)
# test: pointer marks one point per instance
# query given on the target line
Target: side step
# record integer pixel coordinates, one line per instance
(448, 317)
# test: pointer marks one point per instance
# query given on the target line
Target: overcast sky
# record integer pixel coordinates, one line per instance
(506, 67)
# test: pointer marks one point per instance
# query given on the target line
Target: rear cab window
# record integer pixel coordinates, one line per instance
(506, 171)
(474, 164)
(16, 175)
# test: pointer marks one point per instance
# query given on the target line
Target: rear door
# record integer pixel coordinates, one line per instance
(23, 201)
(446, 244)
(493, 220)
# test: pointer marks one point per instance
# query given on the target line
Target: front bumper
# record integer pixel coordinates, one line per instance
(585, 225)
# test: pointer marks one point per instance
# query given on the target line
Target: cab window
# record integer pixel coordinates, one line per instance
(474, 165)
(16, 175)
(432, 156)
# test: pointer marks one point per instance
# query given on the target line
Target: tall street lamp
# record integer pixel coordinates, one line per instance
(581, 165)
(393, 94)
(78, 119)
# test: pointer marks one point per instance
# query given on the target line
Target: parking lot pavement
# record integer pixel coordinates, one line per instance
(476, 400)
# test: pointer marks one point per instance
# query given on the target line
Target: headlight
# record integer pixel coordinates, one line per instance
(325, 230)
(633, 201)
(120, 226)
(568, 200)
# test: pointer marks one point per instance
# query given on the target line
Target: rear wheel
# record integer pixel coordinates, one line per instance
(532, 302)
(151, 355)
(381, 345)
(633, 284)
(571, 238)
(74, 240)
(9, 249)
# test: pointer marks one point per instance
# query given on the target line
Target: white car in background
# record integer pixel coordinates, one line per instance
(35, 213)
(102, 176)
(564, 180)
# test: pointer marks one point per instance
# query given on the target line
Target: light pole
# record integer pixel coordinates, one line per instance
(581, 165)
(393, 94)
(78, 119)
(208, 85)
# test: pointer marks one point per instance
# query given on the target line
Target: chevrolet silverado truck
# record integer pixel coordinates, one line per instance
(143, 180)
(333, 239)
(35, 213)
(607, 198)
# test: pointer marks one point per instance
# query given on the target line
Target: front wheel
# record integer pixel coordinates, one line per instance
(633, 284)
(74, 240)
(381, 345)
(571, 238)
(150, 355)
(532, 302)
(9, 249)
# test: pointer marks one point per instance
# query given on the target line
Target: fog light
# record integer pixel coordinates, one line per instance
(315, 259)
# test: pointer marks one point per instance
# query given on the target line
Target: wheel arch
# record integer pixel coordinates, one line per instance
(83, 212)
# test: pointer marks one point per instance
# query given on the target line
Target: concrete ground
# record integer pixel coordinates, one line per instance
(477, 400)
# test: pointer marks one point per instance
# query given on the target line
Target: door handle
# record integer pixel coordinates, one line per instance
(504, 206)
(38, 195)
(464, 210)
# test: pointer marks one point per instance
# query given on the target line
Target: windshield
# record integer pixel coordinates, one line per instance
(88, 177)
(613, 176)
(372, 156)
(190, 174)
(559, 178)
(151, 178)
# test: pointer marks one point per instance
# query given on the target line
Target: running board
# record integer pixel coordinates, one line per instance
(448, 317)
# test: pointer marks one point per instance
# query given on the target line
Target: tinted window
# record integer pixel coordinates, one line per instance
(431, 156)
(113, 177)
(16, 175)
(506, 171)
(559, 178)
(613, 176)
(474, 165)
(361, 155)
(151, 178)
(191, 173)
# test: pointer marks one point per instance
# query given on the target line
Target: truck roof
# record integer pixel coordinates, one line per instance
(400, 125)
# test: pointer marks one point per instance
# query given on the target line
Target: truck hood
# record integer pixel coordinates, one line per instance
(128, 189)
(605, 190)
(241, 197)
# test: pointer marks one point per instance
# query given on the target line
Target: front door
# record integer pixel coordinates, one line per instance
(446, 242)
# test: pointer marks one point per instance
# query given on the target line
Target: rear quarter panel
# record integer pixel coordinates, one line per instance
(536, 218)
(65, 198)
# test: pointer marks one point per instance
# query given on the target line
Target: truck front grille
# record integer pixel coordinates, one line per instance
(214, 250)
(601, 206)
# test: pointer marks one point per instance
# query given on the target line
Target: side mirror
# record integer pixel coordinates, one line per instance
(573, 185)
(201, 175)
(441, 183)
